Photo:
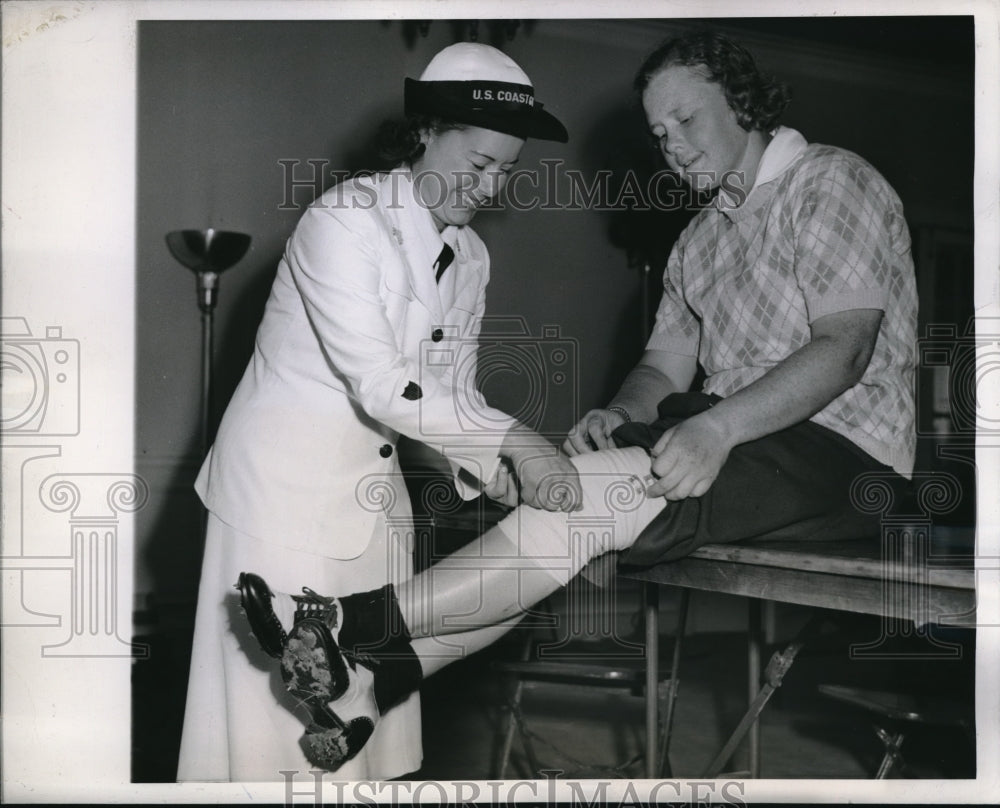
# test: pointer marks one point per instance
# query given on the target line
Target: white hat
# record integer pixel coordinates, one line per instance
(481, 86)
(469, 61)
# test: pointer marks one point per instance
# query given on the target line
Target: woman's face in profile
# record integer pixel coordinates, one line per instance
(461, 170)
(699, 135)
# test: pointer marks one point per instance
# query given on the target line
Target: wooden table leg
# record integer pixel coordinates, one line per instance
(754, 647)
(664, 768)
(652, 610)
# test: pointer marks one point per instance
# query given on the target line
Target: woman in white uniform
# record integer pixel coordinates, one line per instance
(378, 295)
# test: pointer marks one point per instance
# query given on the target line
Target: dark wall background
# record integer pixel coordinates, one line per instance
(223, 104)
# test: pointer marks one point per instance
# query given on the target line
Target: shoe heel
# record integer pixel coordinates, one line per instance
(255, 602)
(331, 748)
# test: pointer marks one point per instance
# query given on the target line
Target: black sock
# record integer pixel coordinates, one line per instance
(373, 626)
(397, 675)
(371, 620)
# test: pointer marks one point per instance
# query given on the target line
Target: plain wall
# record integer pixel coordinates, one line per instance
(222, 104)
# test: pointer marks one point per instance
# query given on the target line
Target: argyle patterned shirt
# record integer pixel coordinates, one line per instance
(824, 234)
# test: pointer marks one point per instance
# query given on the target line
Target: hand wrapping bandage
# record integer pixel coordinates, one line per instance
(615, 510)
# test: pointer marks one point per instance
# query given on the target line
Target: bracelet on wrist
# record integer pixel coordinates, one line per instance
(622, 412)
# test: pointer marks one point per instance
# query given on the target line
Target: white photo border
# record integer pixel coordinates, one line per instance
(69, 253)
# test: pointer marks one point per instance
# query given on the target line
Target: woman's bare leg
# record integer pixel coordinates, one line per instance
(435, 653)
(531, 553)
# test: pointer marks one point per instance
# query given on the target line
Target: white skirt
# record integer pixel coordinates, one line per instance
(240, 724)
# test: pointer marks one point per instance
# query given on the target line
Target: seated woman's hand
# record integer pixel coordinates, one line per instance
(593, 432)
(688, 457)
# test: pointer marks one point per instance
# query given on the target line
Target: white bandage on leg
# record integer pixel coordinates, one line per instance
(615, 510)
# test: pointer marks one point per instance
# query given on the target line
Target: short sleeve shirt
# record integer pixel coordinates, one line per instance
(825, 233)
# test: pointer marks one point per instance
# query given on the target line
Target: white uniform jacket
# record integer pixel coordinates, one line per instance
(358, 345)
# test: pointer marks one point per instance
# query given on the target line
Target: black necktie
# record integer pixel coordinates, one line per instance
(443, 260)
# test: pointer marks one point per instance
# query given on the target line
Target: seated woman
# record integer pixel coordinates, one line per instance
(795, 290)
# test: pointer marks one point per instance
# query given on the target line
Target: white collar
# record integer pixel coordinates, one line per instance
(784, 148)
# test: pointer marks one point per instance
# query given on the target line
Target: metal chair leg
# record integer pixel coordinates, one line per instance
(893, 756)
(514, 722)
(508, 739)
(773, 676)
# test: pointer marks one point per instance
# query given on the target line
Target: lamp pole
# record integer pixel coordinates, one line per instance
(208, 284)
(207, 253)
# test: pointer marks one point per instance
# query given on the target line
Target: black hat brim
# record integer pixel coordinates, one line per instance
(422, 97)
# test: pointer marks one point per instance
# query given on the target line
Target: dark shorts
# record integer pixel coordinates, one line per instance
(794, 484)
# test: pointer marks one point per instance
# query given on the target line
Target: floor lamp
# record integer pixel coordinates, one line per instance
(207, 253)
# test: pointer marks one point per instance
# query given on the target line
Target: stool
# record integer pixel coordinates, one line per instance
(893, 711)
(576, 674)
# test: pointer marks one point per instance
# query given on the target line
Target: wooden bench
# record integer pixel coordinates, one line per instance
(911, 575)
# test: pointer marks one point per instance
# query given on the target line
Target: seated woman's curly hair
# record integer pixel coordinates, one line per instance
(398, 141)
(757, 99)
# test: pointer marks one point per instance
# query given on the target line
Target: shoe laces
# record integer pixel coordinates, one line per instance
(312, 604)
